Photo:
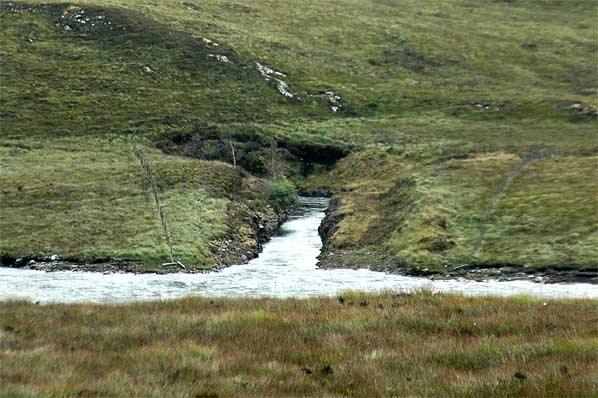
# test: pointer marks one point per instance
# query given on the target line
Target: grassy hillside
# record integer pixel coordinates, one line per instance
(358, 346)
(398, 56)
(486, 210)
(443, 108)
(78, 85)
(90, 201)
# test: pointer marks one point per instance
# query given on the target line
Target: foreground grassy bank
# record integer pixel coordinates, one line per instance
(355, 345)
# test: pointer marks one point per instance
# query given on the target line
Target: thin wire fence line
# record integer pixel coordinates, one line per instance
(152, 183)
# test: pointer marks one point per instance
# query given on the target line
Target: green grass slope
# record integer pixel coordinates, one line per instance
(430, 345)
(486, 210)
(437, 102)
(90, 201)
(389, 56)
(77, 86)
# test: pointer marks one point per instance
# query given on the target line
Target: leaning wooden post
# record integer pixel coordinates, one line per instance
(232, 150)
(274, 154)
(152, 182)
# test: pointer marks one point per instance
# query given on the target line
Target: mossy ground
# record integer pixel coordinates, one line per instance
(388, 345)
(419, 83)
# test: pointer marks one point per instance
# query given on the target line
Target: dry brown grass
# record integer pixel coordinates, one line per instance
(365, 346)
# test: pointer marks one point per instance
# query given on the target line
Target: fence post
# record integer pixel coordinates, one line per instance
(152, 182)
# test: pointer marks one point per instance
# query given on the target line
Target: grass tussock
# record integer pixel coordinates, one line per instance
(359, 345)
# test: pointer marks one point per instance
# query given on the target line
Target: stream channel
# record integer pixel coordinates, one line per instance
(286, 268)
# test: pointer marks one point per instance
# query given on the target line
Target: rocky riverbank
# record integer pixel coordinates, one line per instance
(333, 259)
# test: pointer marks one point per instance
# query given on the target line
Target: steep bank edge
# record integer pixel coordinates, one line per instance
(354, 254)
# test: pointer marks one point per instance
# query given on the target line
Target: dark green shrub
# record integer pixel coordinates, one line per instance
(281, 193)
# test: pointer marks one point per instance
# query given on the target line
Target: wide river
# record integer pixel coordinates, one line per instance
(286, 268)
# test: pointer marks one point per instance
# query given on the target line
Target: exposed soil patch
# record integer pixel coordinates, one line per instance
(254, 153)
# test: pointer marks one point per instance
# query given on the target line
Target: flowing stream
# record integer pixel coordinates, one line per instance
(286, 268)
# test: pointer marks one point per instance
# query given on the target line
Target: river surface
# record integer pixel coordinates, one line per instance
(286, 268)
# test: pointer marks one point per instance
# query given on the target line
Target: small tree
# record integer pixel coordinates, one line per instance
(282, 193)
